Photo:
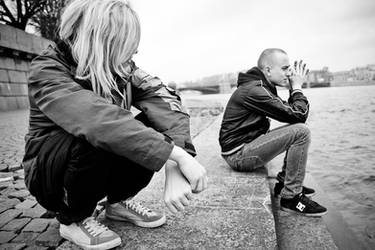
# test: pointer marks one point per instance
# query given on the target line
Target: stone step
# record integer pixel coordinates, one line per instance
(233, 213)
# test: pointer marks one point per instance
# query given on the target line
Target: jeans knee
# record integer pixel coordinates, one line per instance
(302, 131)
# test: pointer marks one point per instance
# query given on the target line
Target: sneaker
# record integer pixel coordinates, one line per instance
(135, 213)
(90, 234)
(303, 205)
(309, 192)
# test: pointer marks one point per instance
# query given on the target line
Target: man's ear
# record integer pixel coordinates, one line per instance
(267, 70)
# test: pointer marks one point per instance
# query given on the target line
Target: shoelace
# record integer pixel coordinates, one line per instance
(137, 207)
(94, 227)
(308, 201)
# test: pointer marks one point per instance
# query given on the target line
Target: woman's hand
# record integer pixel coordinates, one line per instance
(177, 191)
(194, 172)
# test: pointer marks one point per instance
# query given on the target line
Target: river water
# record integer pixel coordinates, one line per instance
(342, 152)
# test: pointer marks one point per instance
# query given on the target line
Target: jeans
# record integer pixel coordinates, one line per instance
(293, 139)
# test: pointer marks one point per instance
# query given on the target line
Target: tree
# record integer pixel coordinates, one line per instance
(47, 20)
(17, 13)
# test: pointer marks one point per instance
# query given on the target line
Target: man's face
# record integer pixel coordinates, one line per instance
(279, 70)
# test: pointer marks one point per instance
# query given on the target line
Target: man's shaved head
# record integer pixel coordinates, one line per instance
(274, 63)
(267, 58)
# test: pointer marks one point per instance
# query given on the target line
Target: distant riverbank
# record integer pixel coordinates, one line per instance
(351, 83)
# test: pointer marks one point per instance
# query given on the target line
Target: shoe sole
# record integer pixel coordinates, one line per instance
(150, 224)
(304, 214)
(103, 246)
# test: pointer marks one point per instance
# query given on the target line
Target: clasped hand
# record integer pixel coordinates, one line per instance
(298, 75)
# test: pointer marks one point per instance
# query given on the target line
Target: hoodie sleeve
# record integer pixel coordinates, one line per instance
(261, 100)
(86, 115)
(163, 108)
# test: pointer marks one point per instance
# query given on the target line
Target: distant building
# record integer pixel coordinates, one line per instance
(356, 75)
(318, 78)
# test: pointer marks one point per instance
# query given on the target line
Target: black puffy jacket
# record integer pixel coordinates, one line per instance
(252, 103)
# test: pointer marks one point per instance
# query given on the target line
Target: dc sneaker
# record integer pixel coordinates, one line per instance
(303, 205)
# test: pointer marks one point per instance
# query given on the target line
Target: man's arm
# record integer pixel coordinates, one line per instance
(263, 101)
(162, 107)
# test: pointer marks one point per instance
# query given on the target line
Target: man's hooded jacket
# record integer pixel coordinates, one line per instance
(252, 103)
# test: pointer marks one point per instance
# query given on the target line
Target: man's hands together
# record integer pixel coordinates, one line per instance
(183, 176)
(298, 75)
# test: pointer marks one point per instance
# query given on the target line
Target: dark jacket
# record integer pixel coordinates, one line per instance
(60, 101)
(254, 100)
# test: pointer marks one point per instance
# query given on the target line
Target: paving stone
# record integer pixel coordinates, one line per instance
(3, 168)
(7, 191)
(4, 175)
(26, 237)
(6, 179)
(26, 204)
(6, 204)
(50, 238)
(16, 225)
(9, 215)
(20, 172)
(19, 184)
(12, 246)
(15, 167)
(30, 197)
(6, 236)
(48, 215)
(5, 184)
(36, 248)
(35, 212)
(37, 226)
(68, 245)
(53, 223)
(20, 194)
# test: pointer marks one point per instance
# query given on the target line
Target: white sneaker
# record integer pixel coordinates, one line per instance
(90, 234)
(135, 213)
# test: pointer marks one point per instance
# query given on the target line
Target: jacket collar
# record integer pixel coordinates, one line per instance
(255, 74)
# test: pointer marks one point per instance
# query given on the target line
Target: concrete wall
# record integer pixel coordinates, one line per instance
(17, 48)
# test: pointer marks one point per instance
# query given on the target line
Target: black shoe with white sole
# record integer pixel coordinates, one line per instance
(302, 205)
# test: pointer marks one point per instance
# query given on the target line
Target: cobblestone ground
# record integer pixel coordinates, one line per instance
(24, 224)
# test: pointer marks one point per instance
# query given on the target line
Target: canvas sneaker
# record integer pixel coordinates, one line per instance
(309, 192)
(303, 205)
(131, 211)
(90, 234)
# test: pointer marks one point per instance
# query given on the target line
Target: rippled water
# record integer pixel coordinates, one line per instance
(342, 152)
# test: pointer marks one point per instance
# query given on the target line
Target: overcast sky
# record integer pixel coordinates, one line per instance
(189, 39)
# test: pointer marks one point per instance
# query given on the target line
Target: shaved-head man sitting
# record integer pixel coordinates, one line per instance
(245, 138)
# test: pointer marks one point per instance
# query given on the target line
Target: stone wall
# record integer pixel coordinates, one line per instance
(17, 49)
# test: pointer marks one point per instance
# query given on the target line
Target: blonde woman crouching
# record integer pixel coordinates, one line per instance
(84, 144)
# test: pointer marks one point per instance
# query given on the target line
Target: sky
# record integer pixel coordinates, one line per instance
(185, 40)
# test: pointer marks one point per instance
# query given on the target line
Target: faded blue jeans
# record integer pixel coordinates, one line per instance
(293, 139)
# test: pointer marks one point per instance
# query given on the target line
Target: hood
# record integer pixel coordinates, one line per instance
(255, 74)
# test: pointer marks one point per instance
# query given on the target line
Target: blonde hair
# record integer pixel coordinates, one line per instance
(103, 36)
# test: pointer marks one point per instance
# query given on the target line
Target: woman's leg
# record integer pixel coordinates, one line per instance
(93, 174)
